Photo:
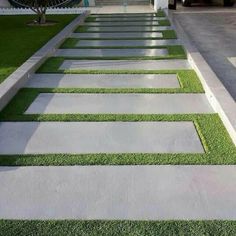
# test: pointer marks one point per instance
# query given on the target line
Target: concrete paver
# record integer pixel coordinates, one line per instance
(98, 137)
(124, 65)
(123, 43)
(68, 103)
(124, 15)
(118, 23)
(118, 192)
(121, 9)
(119, 35)
(107, 52)
(122, 18)
(104, 81)
(127, 28)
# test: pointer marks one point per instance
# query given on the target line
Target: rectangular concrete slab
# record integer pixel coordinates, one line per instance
(123, 23)
(119, 192)
(124, 65)
(128, 28)
(98, 137)
(103, 81)
(118, 35)
(70, 103)
(120, 19)
(107, 52)
(124, 15)
(132, 43)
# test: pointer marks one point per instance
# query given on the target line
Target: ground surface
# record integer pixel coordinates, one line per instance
(213, 30)
(116, 133)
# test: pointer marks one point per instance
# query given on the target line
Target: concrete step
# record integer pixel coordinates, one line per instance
(128, 29)
(118, 192)
(124, 23)
(125, 65)
(126, 19)
(124, 43)
(103, 81)
(71, 103)
(119, 35)
(98, 137)
(133, 52)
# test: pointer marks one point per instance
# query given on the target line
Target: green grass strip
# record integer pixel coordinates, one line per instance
(188, 79)
(117, 228)
(53, 64)
(214, 137)
(174, 51)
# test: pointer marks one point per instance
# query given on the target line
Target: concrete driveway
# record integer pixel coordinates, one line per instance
(213, 30)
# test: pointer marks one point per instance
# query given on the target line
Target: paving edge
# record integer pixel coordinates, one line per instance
(10, 86)
(216, 93)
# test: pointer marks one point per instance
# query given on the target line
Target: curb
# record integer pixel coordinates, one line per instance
(10, 86)
(216, 93)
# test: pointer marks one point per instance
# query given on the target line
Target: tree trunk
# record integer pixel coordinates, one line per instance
(42, 18)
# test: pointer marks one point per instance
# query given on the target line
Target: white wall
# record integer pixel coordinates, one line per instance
(160, 4)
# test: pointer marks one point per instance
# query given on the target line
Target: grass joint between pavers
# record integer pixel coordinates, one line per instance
(118, 227)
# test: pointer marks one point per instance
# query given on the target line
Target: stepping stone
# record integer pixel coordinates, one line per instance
(130, 52)
(120, 35)
(125, 15)
(98, 137)
(82, 103)
(128, 29)
(120, 19)
(124, 43)
(117, 23)
(124, 65)
(163, 192)
(104, 81)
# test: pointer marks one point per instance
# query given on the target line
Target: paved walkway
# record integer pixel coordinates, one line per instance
(113, 192)
(215, 37)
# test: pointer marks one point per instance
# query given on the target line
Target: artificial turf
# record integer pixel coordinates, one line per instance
(218, 146)
(117, 228)
(174, 52)
(19, 41)
(52, 65)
